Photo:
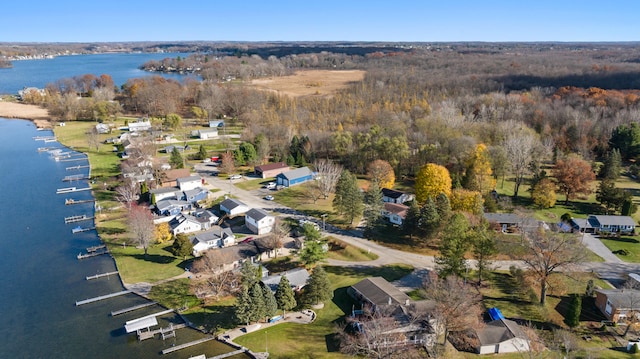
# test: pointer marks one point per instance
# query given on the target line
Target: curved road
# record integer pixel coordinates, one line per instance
(612, 269)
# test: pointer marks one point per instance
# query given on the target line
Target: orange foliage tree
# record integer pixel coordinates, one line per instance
(574, 176)
(382, 172)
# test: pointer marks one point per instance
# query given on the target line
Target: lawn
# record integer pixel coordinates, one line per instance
(250, 184)
(316, 340)
(624, 244)
(340, 250)
(157, 265)
(297, 197)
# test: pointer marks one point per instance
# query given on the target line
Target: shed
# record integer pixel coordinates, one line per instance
(294, 177)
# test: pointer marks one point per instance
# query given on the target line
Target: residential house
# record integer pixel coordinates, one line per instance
(297, 279)
(195, 195)
(216, 123)
(393, 196)
(140, 125)
(506, 222)
(271, 169)
(159, 194)
(258, 221)
(612, 224)
(171, 207)
(502, 336)
(376, 292)
(617, 304)
(185, 223)
(103, 128)
(205, 216)
(169, 149)
(216, 237)
(294, 177)
(233, 207)
(205, 134)
(233, 256)
(169, 178)
(188, 183)
(394, 212)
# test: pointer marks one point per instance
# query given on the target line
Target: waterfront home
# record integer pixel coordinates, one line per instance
(258, 221)
(171, 207)
(216, 237)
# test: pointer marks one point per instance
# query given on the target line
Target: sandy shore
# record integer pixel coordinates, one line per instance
(37, 114)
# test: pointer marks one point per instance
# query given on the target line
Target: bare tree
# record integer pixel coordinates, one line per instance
(128, 192)
(456, 304)
(275, 240)
(217, 281)
(141, 227)
(630, 304)
(519, 145)
(327, 175)
(548, 253)
(93, 139)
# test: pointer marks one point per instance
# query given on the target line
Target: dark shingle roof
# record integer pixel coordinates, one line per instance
(256, 213)
(391, 193)
(611, 220)
(297, 278)
(499, 331)
(231, 203)
(622, 298)
(380, 292)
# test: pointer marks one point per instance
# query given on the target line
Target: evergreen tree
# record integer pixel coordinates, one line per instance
(610, 197)
(202, 153)
(410, 223)
(258, 308)
(291, 161)
(484, 246)
(238, 157)
(318, 288)
(176, 160)
(242, 308)
(270, 303)
(348, 199)
(572, 319)
(628, 207)
(373, 206)
(455, 243)
(313, 252)
(284, 295)
(182, 246)
(612, 165)
(429, 218)
(249, 274)
(443, 206)
(249, 153)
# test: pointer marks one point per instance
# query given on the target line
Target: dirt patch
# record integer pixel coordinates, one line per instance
(37, 114)
(310, 82)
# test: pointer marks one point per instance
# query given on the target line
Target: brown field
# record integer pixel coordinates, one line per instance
(310, 82)
(37, 114)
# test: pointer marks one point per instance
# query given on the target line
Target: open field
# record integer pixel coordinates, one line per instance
(39, 115)
(309, 82)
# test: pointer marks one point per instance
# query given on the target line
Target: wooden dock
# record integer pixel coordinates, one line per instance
(230, 354)
(71, 189)
(189, 344)
(79, 218)
(106, 296)
(73, 159)
(101, 275)
(95, 248)
(77, 167)
(80, 229)
(75, 178)
(168, 332)
(89, 255)
(130, 309)
(70, 201)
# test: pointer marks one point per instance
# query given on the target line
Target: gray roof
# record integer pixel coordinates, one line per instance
(231, 203)
(503, 218)
(380, 292)
(297, 173)
(215, 233)
(179, 219)
(168, 203)
(611, 221)
(622, 298)
(193, 192)
(256, 213)
(189, 179)
(500, 330)
(162, 190)
(297, 278)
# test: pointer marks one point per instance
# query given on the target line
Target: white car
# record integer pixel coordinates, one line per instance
(268, 197)
(270, 185)
(234, 177)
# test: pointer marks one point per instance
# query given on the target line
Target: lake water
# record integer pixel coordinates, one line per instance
(42, 278)
(39, 73)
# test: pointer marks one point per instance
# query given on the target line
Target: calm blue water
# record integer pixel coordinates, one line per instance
(38, 73)
(41, 277)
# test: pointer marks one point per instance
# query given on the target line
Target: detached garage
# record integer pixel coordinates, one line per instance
(294, 177)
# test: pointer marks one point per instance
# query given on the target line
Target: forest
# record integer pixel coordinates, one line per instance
(416, 104)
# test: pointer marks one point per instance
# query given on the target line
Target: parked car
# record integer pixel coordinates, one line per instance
(268, 197)
(235, 177)
(246, 240)
(270, 185)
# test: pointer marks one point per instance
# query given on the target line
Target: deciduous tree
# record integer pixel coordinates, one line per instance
(163, 233)
(519, 145)
(328, 172)
(466, 201)
(574, 176)
(381, 171)
(227, 164)
(431, 180)
(478, 175)
(141, 227)
(544, 193)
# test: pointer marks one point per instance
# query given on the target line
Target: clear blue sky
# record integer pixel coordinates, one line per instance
(325, 20)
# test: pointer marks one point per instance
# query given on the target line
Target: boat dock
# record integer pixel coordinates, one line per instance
(79, 218)
(70, 201)
(101, 275)
(79, 229)
(168, 332)
(77, 167)
(75, 178)
(95, 248)
(89, 255)
(106, 296)
(71, 189)
(69, 159)
(45, 138)
(230, 354)
(190, 344)
(130, 309)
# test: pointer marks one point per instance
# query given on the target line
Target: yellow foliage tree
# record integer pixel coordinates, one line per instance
(544, 193)
(163, 234)
(432, 179)
(478, 176)
(382, 172)
(466, 201)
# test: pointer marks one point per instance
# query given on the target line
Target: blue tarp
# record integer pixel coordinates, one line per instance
(495, 314)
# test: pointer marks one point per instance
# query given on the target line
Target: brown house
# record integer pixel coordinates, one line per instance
(617, 304)
(271, 169)
(170, 177)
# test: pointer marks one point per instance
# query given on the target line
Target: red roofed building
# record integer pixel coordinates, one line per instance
(271, 169)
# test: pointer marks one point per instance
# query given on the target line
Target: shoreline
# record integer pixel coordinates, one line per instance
(36, 114)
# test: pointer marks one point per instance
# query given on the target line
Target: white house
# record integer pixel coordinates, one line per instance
(394, 212)
(165, 193)
(205, 134)
(140, 125)
(216, 123)
(502, 336)
(188, 183)
(233, 207)
(258, 221)
(216, 237)
(297, 278)
(185, 223)
(612, 224)
(393, 196)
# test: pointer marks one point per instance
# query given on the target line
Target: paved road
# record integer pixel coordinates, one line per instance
(613, 269)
